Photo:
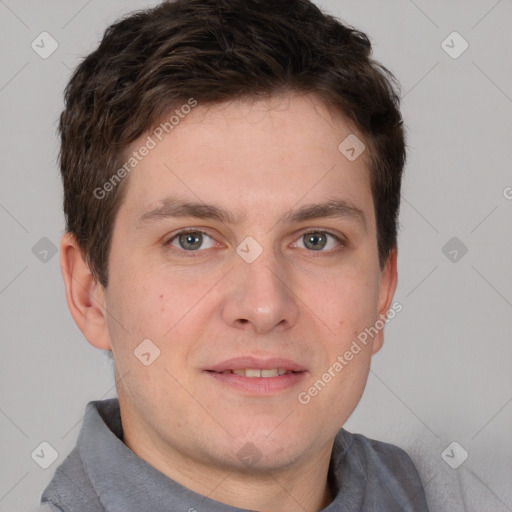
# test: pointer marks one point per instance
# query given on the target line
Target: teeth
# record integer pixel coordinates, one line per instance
(252, 372)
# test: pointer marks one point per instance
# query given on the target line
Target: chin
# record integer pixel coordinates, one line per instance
(258, 451)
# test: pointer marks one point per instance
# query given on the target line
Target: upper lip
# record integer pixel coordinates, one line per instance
(261, 363)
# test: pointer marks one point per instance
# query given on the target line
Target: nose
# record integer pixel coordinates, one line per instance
(259, 296)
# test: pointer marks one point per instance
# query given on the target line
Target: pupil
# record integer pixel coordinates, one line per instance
(315, 241)
(194, 239)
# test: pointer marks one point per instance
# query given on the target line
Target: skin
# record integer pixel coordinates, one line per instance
(257, 159)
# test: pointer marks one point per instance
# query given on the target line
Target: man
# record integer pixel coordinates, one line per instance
(231, 174)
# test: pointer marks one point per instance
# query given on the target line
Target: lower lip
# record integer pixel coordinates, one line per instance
(259, 385)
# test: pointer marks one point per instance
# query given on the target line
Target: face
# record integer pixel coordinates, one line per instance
(227, 256)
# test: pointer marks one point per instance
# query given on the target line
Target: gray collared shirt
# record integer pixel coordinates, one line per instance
(101, 474)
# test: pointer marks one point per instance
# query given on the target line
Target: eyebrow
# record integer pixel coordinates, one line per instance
(175, 208)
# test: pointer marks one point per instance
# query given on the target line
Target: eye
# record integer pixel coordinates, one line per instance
(191, 241)
(319, 240)
(315, 241)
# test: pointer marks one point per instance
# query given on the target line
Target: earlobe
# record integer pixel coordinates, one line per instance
(84, 294)
(387, 287)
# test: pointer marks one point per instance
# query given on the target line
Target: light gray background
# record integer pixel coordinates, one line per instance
(444, 373)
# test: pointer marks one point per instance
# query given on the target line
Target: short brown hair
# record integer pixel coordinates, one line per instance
(213, 51)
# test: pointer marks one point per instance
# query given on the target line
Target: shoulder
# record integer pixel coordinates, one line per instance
(376, 453)
(49, 507)
(386, 471)
(70, 489)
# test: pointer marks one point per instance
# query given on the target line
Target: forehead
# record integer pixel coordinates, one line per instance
(253, 157)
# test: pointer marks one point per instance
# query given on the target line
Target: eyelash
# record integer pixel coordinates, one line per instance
(193, 254)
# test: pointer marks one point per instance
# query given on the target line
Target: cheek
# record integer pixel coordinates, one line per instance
(159, 308)
(350, 303)
(135, 312)
(143, 319)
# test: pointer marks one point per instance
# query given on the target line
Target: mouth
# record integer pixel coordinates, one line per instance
(255, 372)
(256, 376)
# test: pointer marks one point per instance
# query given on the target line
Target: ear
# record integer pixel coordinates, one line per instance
(84, 294)
(387, 287)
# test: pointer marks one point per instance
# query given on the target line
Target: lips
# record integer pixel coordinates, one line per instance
(251, 366)
(257, 372)
(256, 376)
